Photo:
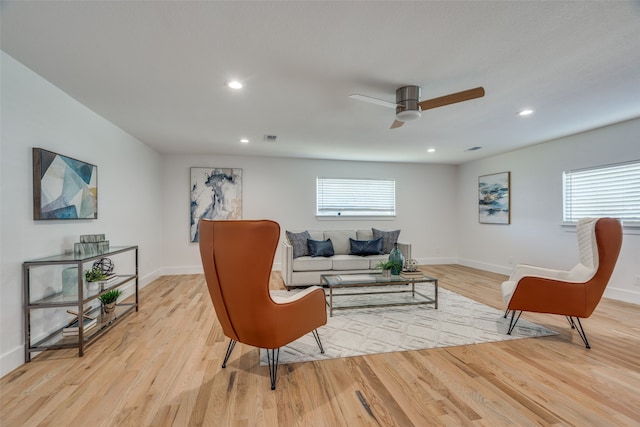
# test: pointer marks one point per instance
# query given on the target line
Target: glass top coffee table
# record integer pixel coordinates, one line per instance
(376, 286)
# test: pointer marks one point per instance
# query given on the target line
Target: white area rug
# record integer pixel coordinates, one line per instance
(457, 321)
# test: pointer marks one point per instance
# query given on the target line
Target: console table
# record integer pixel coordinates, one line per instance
(46, 298)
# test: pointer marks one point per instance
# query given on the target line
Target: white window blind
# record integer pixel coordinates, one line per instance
(612, 191)
(355, 197)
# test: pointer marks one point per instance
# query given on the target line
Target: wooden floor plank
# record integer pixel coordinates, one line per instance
(161, 367)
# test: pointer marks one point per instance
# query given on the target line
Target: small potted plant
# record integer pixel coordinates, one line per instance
(92, 276)
(389, 267)
(109, 299)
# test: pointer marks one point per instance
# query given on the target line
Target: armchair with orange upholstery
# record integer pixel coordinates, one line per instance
(237, 257)
(573, 293)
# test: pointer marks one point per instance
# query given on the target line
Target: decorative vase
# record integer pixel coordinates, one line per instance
(396, 256)
(70, 281)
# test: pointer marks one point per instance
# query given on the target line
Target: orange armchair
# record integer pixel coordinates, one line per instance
(573, 293)
(237, 257)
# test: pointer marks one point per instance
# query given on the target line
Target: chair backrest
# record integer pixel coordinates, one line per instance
(608, 234)
(587, 243)
(237, 257)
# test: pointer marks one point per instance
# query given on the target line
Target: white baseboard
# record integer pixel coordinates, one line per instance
(11, 360)
(622, 295)
(486, 267)
(175, 271)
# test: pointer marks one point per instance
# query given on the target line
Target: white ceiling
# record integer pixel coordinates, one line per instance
(157, 70)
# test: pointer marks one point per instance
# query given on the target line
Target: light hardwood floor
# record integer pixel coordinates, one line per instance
(161, 367)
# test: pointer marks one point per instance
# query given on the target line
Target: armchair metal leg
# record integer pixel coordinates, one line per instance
(578, 327)
(317, 337)
(272, 357)
(506, 312)
(232, 344)
(512, 322)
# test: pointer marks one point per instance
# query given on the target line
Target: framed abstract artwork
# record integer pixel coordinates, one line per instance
(63, 188)
(216, 193)
(494, 198)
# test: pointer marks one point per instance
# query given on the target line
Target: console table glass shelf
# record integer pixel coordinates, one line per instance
(52, 297)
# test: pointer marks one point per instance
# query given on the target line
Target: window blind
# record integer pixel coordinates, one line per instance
(355, 197)
(612, 191)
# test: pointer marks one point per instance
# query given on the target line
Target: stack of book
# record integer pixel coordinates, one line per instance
(411, 274)
(72, 328)
(110, 279)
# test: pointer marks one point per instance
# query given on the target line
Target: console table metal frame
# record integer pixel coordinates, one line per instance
(331, 282)
(55, 340)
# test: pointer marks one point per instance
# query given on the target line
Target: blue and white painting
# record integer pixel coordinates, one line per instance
(493, 198)
(216, 193)
(63, 188)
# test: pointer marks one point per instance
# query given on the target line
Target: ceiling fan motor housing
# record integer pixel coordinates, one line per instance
(407, 100)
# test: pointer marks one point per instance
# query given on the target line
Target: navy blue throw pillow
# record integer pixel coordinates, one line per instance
(366, 247)
(320, 248)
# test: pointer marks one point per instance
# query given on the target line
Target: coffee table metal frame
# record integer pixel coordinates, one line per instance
(337, 281)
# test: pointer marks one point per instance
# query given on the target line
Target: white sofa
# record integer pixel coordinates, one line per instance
(306, 270)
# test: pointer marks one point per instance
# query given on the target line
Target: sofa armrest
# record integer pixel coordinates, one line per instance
(287, 263)
(405, 248)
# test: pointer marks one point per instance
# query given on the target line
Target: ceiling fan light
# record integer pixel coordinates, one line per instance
(408, 115)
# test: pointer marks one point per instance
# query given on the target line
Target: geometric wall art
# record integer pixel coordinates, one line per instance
(63, 188)
(216, 193)
(494, 198)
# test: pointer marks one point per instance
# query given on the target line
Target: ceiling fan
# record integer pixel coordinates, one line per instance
(409, 107)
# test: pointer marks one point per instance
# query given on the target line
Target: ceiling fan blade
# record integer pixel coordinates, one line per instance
(376, 101)
(396, 124)
(452, 98)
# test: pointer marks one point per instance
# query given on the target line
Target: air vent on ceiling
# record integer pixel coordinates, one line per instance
(270, 138)
(473, 148)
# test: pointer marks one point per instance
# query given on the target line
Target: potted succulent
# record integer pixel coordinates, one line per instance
(389, 267)
(109, 299)
(94, 275)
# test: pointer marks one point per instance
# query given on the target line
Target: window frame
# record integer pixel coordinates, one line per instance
(587, 181)
(325, 209)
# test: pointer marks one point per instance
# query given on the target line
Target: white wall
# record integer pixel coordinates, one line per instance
(535, 235)
(36, 114)
(284, 190)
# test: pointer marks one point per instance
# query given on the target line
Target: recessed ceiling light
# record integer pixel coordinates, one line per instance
(431, 150)
(244, 141)
(525, 112)
(234, 84)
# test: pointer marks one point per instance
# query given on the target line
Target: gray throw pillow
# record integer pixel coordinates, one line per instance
(320, 248)
(299, 243)
(389, 238)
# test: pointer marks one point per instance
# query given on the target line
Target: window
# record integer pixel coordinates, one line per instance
(612, 190)
(355, 197)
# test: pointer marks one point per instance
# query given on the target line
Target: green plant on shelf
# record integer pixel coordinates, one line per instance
(110, 296)
(94, 275)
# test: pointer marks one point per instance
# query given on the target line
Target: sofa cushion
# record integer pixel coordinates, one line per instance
(389, 238)
(299, 243)
(320, 248)
(349, 262)
(366, 234)
(366, 247)
(316, 234)
(340, 240)
(307, 263)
